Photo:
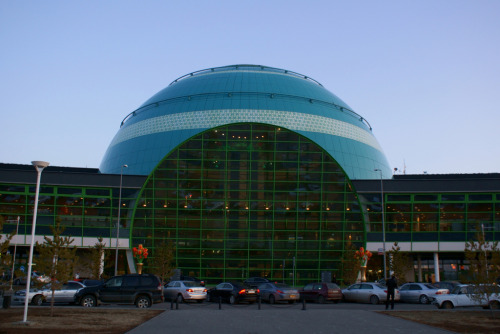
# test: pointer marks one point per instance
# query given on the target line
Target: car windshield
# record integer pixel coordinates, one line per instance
(430, 286)
(456, 290)
(282, 285)
(380, 286)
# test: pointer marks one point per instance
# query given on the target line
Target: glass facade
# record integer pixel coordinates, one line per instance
(83, 211)
(250, 200)
(445, 217)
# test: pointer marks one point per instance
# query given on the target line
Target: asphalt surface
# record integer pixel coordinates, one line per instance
(249, 319)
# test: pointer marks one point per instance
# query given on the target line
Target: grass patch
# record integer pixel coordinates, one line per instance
(73, 320)
(462, 321)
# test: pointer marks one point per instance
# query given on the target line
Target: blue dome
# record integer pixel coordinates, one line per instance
(244, 94)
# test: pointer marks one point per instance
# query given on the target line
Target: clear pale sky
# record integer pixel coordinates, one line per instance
(425, 74)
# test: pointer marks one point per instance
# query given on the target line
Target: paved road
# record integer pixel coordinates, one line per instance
(248, 319)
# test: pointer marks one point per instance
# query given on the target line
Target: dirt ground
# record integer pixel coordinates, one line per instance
(67, 320)
(460, 321)
(118, 321)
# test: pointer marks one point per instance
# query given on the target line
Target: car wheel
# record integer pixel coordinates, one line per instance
(143, 302)
(88, 301)
(179, 299)
(37, 300)
(374, 300)
(447, 305)
(494, 305)
(321, 299)
(232, 300)
(272, 300)
(423, 299)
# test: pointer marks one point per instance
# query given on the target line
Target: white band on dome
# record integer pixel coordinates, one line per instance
(206, 119)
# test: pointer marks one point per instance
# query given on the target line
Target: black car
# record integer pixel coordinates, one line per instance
(192, 279)
(233, 293)
(141, 290)
(256, 281)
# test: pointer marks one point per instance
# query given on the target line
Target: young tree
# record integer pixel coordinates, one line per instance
(484, 268)
(162, 264)
(400, 263)
(97, 258)
(5, 258)
(350, 264)
(56, 259)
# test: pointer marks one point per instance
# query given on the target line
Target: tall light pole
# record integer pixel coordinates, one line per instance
(383, 219)
(39, 165)
(118, 221)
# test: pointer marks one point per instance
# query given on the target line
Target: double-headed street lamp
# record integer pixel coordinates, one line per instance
(118, 221)
(383, 218)
(39, 165)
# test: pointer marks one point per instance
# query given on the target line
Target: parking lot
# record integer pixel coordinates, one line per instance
(282, 318)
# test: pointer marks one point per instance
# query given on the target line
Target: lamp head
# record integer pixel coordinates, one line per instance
(40, 164)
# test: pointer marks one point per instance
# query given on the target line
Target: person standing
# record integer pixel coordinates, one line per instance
(392, 285)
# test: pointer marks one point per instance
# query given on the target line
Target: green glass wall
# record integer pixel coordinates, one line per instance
(250, 200)
(83, 211)
(445, 217)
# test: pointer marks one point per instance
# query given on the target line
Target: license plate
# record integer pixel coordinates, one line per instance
(292, 296)
(251, 291)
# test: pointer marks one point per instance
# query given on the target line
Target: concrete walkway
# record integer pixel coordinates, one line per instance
(243, 319)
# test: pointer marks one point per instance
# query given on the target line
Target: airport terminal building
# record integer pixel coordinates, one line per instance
(253, 171)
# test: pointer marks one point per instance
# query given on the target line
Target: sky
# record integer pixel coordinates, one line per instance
(425, 74)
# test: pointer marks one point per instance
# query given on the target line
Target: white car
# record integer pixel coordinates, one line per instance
(460, 296)
(38, 296)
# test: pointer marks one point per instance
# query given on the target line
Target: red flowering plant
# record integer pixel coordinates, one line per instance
(140, 253)
(363, 256)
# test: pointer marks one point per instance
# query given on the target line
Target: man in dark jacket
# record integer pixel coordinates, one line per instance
(392, 285)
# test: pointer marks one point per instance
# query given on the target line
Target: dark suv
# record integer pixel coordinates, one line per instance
(141, 290)
(254, 282)
(321, 292)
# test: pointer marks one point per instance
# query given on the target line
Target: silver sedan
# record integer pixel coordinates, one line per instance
(185, 290)
(419, 293)
(276, 292)
(38, 296)
(373, 293)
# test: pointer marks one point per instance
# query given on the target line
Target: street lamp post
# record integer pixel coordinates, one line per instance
(118, 221)
(383, 219)
(39, 165)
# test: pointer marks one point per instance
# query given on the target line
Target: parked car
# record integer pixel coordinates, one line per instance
(92, 282)
(192, 279)
(233, 292)
(461, 296)
(450, 285)
(321, 292)
(422, 293)
(35, 277)
(35, 296)
(39, 296)
(141, 290)
(276, 292)
(255, 281)
(185, 290)
(373, 293)
(66, 294)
